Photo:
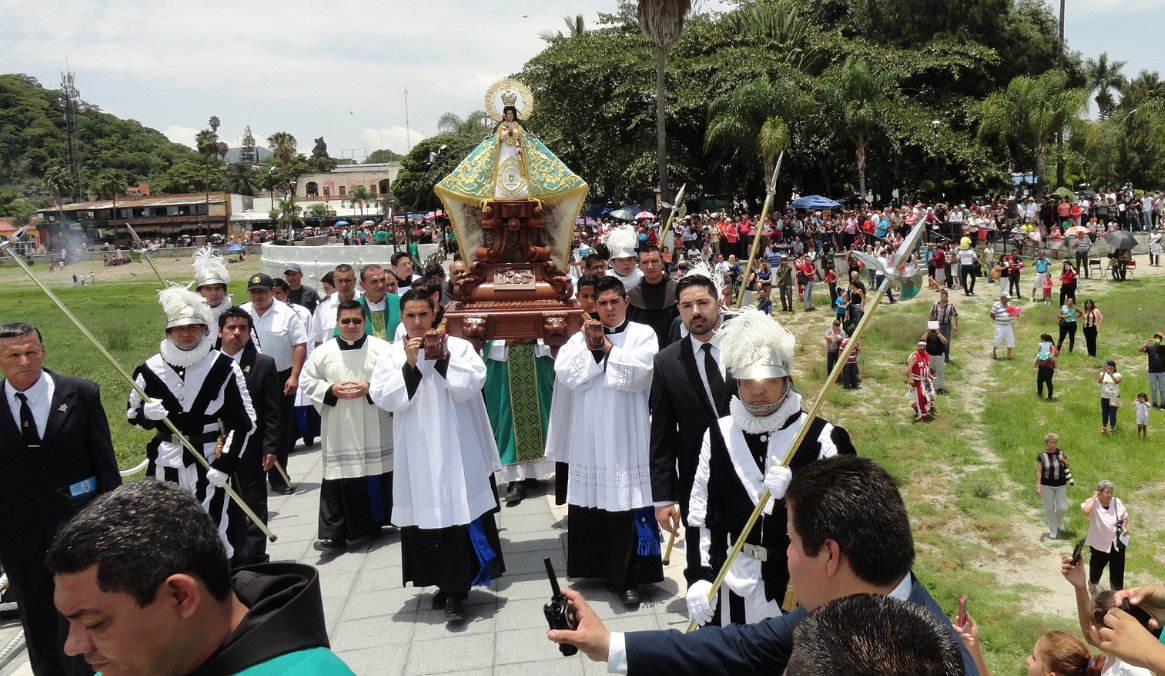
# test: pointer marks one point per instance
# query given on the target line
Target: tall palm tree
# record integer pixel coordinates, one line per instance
(360, 195)
(663, 21)
(575, 25)
(752, 119)
(860, 93)
(289, 216)
(60, 183)
(240, 178)
(1032, 110)
(206, 143)
(1104, 76)
(282, 145)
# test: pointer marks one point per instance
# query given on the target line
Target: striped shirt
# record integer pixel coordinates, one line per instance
(943, 313)
(1052, 468)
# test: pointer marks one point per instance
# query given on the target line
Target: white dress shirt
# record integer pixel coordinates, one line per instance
(279, 330)
(698, 349)
(39, 395)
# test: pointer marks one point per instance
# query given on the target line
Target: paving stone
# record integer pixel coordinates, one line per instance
(443, 655)
(377, 579)
(560, 666)
(526, 563)
(521, 587)
(371, 632)
(525, 645)
(336, 585)
(521, 614)
(382, 602)
(431, 624)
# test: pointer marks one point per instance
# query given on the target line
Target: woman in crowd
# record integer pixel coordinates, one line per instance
(1067, 283)
(1107, 521)
(1046, 355)
(1110, 393)
(1090, 320)
(999, 273)
(1056, 653)
(1052, 483)
(833, 337)
(1067, 325)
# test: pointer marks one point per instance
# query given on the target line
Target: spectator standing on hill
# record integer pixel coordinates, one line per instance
(1068, 277)
(947, 316)
(1001, 315)
(1156, 353)
(1046, 355)
(1090, 320)
(1107, 523)
(1067, 325)
(1110, 390)
(1014, 267)
(1052, 483)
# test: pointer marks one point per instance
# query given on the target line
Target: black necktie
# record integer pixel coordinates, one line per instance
(715, 380)
(27, 423)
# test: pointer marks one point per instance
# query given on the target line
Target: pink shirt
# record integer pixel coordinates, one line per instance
(1102, 524)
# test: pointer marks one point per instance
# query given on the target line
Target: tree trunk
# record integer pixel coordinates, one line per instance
(861, 153)
(661, 121)
(825, 177)
(1041, 162)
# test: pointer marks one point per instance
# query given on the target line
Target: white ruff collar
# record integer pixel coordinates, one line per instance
(754, 424)
(223, 306)
(174, 356)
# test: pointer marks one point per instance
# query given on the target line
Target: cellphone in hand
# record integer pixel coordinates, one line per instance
(1078, 552)
(961, 618)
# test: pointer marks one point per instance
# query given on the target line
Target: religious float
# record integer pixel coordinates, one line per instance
(513, 207)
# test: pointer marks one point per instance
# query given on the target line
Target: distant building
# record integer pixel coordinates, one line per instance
(336, 184)
(152, 217)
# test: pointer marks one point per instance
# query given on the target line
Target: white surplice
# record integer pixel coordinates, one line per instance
(444, 447)
(356, 435)
(600, 420)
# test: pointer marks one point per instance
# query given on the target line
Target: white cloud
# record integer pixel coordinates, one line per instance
(393, 138)
(183, 135)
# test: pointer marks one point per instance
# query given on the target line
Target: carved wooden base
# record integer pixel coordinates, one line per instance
(518, 321)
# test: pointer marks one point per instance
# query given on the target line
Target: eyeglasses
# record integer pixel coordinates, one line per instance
(352, 320)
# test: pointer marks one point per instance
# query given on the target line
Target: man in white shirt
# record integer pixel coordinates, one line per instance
(283, 337)
(324, 318)
(1001, 315)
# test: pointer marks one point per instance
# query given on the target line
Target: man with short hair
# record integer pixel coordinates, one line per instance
(147, 589)
(56, 455)
(947, 315)
(402, 267)
(596, 263)
(204, 395)
(600, 426)
(299, 294)
(849, 534)
(1154, 349)
(381, 307)
(356, 490)
(871, 634)
(261, 376)
(324, 318)
(444, 455)
(281, 335)
(1001, 315)
(653, 301)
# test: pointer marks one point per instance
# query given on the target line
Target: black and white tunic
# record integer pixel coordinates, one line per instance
(734, 457)
(206, 397)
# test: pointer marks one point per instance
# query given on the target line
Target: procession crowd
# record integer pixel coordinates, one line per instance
(667, 414)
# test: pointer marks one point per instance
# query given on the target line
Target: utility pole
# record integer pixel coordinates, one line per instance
(72, 146)
(1060, 134)
(408, 145)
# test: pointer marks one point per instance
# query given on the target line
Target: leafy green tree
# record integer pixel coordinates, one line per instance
(320, 149)
(289, 217)
(424, 166)
(214, 124)
(206, 143)
(1031, 111)
(239, 178)
(861, 93)
(663, 21)
(282, 145)
(108, 184)
(1104, 78)
(319, 211)
(750, 120)
(20, 212)
(359, 195)
(382, 155)
(575, 25)
(248, 152)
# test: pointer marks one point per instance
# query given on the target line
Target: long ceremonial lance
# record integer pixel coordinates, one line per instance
(145, 253)
(145, 397)
(904, 252)
(770, 189)
(671, 218)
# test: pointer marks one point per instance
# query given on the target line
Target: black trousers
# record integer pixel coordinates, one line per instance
(1044, 376)
(1115, 560)
(45, 630)
(1090, 340)
(1013, 286)
(1067, 291)
(287, 431)
(249, 542)
(1082, 266)
(967, 278)
(849, 376)
(1067, 329)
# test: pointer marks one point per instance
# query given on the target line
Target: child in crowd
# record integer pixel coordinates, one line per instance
(1141, 408)
(841, 304)
(764, 303)
(849, 372)
(1047, 290)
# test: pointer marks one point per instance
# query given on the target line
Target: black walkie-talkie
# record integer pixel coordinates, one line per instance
(558, 612)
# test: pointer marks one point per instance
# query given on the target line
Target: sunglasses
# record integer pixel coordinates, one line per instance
(349, 320)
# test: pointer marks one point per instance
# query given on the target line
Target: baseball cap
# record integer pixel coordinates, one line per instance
(1003, 294)
(259, 281)
(293, 267)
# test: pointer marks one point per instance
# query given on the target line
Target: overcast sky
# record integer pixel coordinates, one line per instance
(339, 69)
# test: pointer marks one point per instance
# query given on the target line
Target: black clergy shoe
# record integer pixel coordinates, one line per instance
(453, 610)
(330, 545)
(438, 600)
(630, 596)
(515, 494)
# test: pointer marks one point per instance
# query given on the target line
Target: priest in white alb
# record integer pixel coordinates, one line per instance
(356, 492)
(445, 455)
(600, 426)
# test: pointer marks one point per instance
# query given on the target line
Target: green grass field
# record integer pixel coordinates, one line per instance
(968, 477)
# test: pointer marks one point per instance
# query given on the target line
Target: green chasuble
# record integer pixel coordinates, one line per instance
(382, 324)
(517, 399)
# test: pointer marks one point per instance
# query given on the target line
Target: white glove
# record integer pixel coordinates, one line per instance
(699, 609)
(217, 478)
(777, 481)
(154, 410)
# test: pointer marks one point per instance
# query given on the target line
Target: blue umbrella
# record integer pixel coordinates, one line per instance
(341, 222)
(815, 202)
(235, 248)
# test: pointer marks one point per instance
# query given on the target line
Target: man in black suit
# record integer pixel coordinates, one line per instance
(55, 457)
(234, 331)
(849, 534)
(690, 390)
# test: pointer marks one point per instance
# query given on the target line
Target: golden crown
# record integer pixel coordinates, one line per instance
(509, 98)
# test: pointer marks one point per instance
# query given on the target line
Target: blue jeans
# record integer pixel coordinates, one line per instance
(1107, 413)
(1157, 388)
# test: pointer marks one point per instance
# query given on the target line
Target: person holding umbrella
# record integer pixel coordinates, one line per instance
(1124, 243)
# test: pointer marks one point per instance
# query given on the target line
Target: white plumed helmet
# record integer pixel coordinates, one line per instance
(209, 268)
(184, 307)
(754, 346)
(621, 241)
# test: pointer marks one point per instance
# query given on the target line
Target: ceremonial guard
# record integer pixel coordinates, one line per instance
(203, 392)
(622, 241)
(600, 427)
(211, 279)
(740, 457)
(442, 496)
(356, 491)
